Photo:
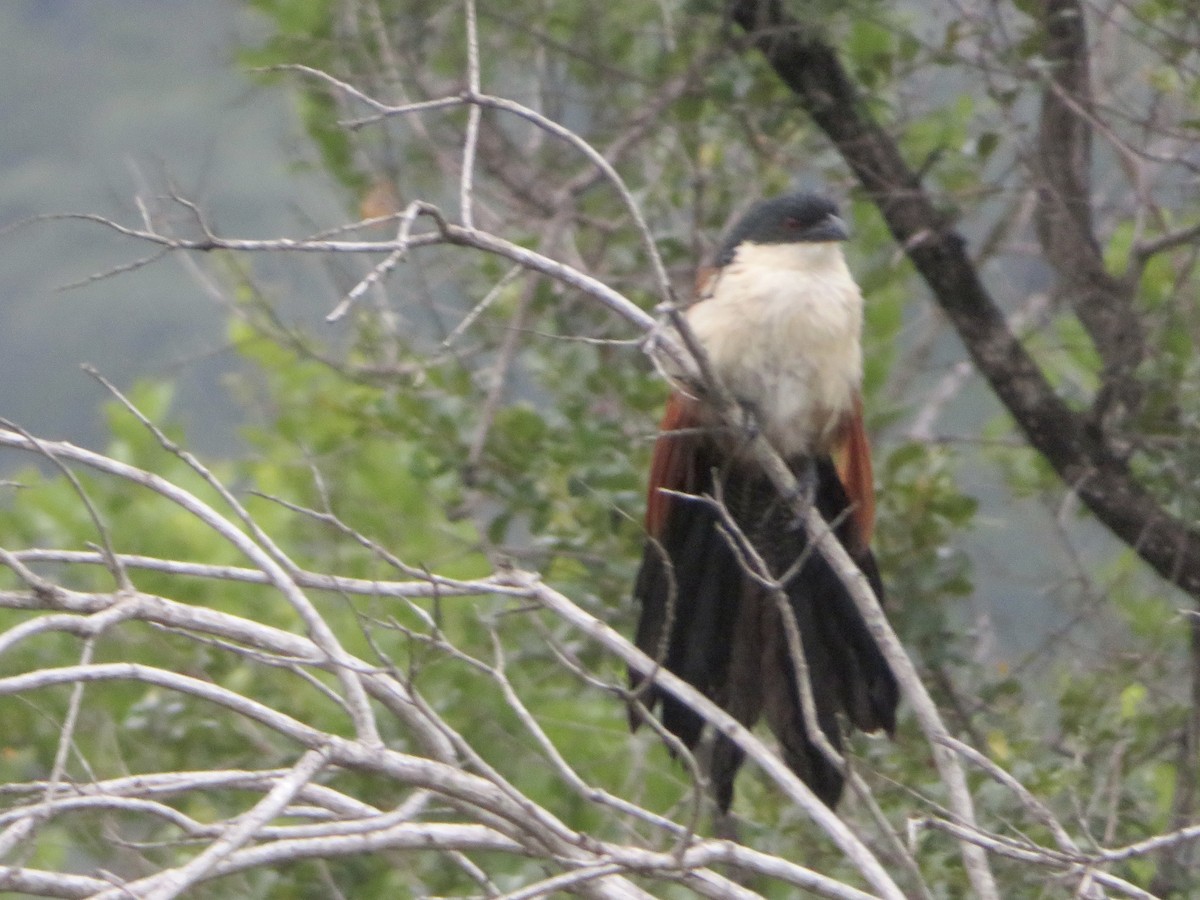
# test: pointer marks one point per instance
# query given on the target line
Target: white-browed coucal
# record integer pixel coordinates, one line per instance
(779, 318)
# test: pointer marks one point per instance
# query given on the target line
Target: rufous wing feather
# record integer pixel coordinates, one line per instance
(673, 467)
(688, 570)
(853, 459)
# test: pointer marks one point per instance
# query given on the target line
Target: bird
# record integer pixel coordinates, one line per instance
(779, 320)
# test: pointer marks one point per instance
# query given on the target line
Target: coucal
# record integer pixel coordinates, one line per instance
(779, 319)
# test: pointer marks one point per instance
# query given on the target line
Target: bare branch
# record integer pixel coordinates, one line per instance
(771, 764)
(466, 200)
(176, 881)
(1144, 251)
(430, 585)
(474, 98)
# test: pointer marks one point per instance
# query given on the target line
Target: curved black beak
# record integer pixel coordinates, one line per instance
(830, 228)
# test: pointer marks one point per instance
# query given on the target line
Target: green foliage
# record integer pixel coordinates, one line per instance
(305, 35)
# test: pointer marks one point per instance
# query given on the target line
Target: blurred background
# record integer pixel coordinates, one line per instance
(103, 103)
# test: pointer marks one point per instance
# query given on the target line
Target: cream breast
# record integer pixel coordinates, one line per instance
(781, 323)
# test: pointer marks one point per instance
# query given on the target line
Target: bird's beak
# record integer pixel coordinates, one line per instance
(830, 228)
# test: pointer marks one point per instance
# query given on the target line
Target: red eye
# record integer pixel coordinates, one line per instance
(791, 223)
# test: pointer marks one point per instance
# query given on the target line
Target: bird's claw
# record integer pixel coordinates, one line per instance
(804, 494)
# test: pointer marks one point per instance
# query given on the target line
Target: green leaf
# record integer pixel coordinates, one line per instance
(1133, 698)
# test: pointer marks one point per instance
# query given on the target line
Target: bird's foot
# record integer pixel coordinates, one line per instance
(804, 495)
(748, 426)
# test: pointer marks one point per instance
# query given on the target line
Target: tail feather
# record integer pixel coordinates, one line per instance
(684, 586)
(873, 694)
(722, 633)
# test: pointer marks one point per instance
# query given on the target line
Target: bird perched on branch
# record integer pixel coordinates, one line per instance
(779, 320)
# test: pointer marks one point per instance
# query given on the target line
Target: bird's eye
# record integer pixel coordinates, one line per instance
(791, 223)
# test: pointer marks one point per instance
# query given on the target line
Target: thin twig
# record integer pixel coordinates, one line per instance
(466, 202)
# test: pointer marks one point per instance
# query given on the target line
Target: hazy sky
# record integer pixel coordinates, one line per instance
(104, 101)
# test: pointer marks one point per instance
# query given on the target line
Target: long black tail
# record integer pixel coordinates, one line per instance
(722, 632)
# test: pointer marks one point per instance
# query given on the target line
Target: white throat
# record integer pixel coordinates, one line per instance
(781, 325)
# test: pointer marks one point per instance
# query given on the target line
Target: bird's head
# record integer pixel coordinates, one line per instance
(799, 218)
